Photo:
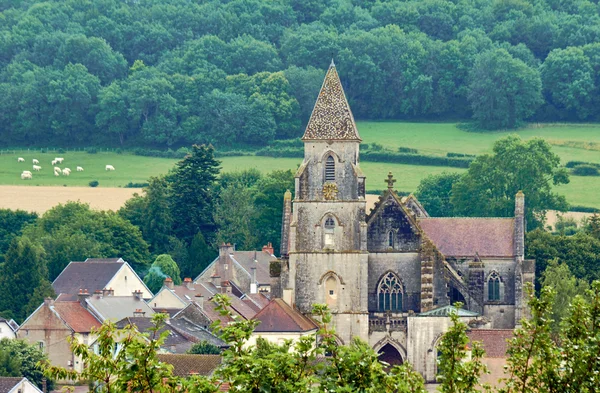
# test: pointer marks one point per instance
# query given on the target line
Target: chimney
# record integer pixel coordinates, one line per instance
(288, 296)
(189, 284)
(49, 301)
(285, 224)
(199, 299)
(226, 287)
(225, 250)
(268, 248)
(82, 296)
(520, 226)
(138, 294)
(105, 292)
(98, 294)
(138, 313)
(169, 283)
(253, 284)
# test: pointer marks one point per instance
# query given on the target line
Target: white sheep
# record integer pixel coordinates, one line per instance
(56, 173)
(110, 168)
(26, 175)
(37, 168)
(57, 169)
(20, 159)
(54, 162)
(66, 171)
(79, 169)
(35, 162)
(59, 160)
(28, 172)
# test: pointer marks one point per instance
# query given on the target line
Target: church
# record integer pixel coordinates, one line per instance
(389, 272)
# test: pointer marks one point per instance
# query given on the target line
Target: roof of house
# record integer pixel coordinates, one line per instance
(7, 384)
(242, 307)
(258, 259)
(494, 341)
(185, 365)
(11, 324)
(143, 324)
(92, 275)
(445, 311)
(331, 118)
(75, 316)
(195, 332)
(115, 308)
(104, 260)
(278, 316)
(187, 295)
(465, 236)
(260, 299)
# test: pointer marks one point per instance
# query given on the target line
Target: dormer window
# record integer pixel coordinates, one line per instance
(330, 169)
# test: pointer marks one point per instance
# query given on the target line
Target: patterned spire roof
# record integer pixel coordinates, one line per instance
(331, 118)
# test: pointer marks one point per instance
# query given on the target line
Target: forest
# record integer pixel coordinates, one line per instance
(170, 73)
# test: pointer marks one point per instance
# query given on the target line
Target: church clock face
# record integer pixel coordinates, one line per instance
(330, 191)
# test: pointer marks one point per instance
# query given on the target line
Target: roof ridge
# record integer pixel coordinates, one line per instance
(331, 118)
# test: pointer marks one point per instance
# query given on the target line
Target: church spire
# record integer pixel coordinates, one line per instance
(331, 118)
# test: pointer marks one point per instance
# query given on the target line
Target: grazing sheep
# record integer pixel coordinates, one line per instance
(59, 160)
(66, 171)
(54, 162)
(57, 169)
(79, 169)
(20, 159)
(26, 175)
(37, 168)
(56, 173)
(35, 162)
(110, 168)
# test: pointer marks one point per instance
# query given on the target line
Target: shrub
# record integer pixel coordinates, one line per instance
(450, 154)
(135, 185)
(409, 150)
(376, 147)
(119, 151)
(585, 170)
(583, 209)
(573, 164)
(94, 183)
(91, 150)
(61, 150)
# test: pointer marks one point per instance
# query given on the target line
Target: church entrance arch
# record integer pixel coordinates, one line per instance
(389, 354)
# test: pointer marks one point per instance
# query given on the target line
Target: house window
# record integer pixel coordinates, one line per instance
(41, 345)
(330, 169)
(494, 287)
(389, 292)
(391, 239)
(328, 233)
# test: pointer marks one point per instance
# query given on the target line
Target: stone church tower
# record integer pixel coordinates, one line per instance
(326, 233)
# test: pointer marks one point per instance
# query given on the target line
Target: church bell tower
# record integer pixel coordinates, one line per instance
(327, 233)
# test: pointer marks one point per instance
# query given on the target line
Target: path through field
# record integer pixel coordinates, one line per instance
(39, 199)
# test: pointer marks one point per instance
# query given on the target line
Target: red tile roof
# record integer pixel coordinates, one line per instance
(77, 317)
(488, 237)
(493, 341)
(278, 316)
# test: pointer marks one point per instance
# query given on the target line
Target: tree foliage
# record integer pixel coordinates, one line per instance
(434, 193)
(21, 359)
(163, 266)
(12, 223)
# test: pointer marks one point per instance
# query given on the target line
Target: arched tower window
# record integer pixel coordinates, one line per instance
(391, 239)
(330, 169)
(328, 232)
(331, 291)
(494, 287)
(389, 293)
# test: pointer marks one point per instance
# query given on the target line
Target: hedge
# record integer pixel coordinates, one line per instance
(415, 159)
(573, 164)
(585, 170)
(583, 209)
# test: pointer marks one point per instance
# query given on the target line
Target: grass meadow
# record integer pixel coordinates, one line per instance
(570, 142)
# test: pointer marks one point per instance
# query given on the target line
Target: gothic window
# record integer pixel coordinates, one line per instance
(328, 232)
(331, 288)
(494, 287)
(389, 292)
(391, 239)
(330, 169)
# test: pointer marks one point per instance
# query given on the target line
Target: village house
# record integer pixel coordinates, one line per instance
(8, 328)
(17, 385)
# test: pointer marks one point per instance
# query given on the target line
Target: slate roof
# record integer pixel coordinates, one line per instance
(257, 298)
(195, 333)
(104, 260)
(187, 295)
(331, 118)
(258, 259)
(463, 236)
(185, 365)
(115, 308)
(8, 383)
(493, 341)
(278, 316)
(76, 316)
(445, 311)
(92, 275)
(175, 341)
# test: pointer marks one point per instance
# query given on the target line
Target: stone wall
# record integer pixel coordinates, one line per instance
(407, 266)
(391, 218)
(502, 316)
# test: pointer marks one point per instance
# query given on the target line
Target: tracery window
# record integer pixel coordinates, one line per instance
(330, 169)
(391, 239)
(389, 293)
(494, 287)
(328, 234)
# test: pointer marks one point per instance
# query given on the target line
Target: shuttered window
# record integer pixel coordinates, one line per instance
(330, 169)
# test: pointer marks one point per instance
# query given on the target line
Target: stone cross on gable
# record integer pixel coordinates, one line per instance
(390, 180)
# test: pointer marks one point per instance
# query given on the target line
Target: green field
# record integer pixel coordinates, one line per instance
(428, 138)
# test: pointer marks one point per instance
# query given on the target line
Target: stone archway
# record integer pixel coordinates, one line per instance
(389, 354)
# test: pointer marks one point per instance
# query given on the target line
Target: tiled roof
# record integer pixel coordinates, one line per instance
(90, 275)
(195, 333)
(488, 237)
(242, 308)
(493, 340)
(278, 316)
(175, 341)
(76, 316)
(331, 118)
(7, 383)
(115, 308)
(185, 365)
(258, 259)
(259, 299)
(187, 295)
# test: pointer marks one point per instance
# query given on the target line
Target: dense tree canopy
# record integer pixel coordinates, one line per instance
(163, 266)
(18, 358)
(173, 72)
